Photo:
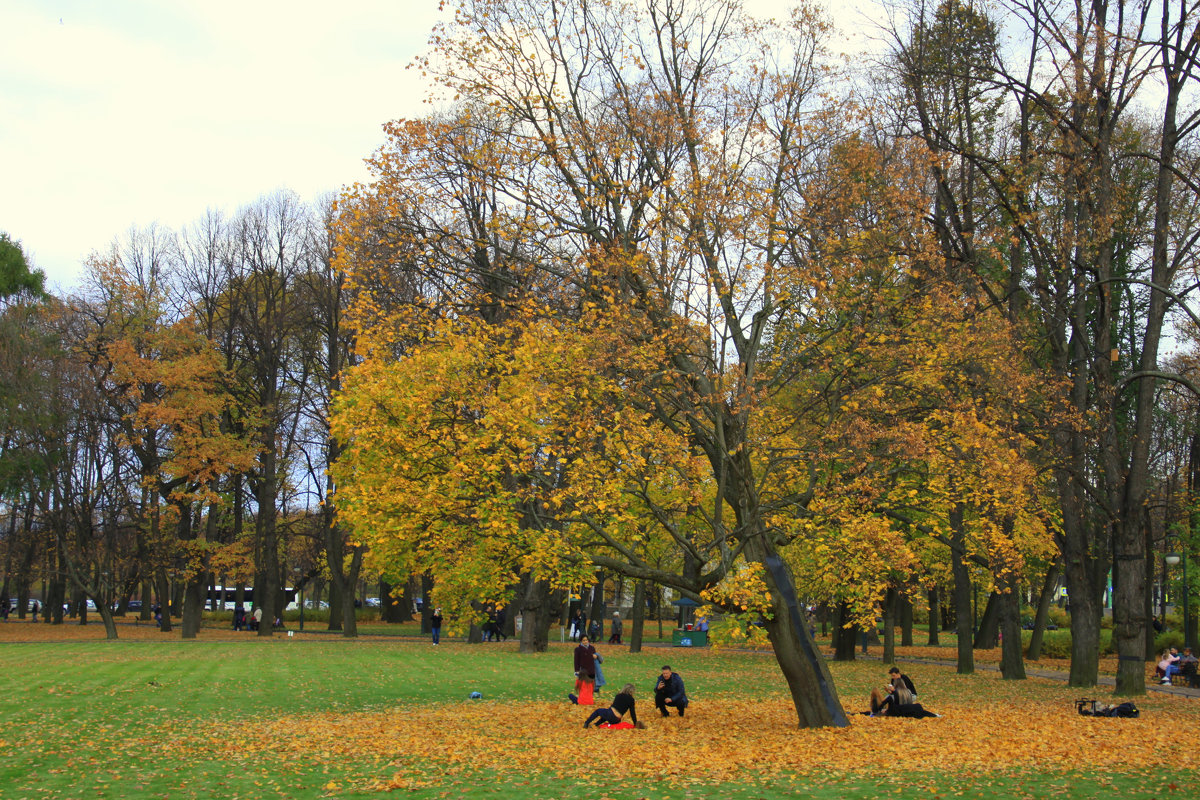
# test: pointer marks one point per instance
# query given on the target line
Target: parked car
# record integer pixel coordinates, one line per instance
(372, 602)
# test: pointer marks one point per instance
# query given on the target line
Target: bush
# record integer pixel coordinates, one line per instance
(1059, 617)
(1167, 640)
(1057, 644)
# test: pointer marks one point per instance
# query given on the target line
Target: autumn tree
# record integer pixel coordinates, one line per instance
(1080, 261)
(666, 159)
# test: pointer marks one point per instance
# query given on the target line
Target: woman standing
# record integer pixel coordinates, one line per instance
(585, 658)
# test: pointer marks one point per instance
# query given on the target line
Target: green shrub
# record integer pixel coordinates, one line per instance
(1167, 640)
(1059, 617)
(1057, 644)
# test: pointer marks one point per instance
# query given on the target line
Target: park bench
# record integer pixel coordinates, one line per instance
(1187, 677)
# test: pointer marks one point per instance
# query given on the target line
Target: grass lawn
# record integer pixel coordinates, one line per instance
(317, 716)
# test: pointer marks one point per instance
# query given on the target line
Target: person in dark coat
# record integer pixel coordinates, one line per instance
(435, 625)
(616, 629)
(897, 679)
(668, 691)
(585, 658)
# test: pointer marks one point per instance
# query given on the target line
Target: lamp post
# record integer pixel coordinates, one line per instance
(300, 596)
(1176, 558)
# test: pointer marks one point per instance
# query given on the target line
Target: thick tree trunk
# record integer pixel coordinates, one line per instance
(535, 616)
(1012, 665)
(845, 634)
(988, 635)
(906, 620)
(1129, 620)
(1084, 579)
(806, 672)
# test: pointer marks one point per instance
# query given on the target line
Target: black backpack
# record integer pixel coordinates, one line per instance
(1090, 708)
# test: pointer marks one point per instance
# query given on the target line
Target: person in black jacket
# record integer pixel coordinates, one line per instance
(435, 625)
(622, 704)
(897, 679)
(668, 691)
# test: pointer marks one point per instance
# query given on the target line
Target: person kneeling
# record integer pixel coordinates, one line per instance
(622, 704)
(668, 691)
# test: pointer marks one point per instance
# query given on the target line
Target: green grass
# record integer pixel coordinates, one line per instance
(110, 719)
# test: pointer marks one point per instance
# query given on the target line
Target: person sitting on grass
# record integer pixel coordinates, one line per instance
(896, 703)
(622, 704)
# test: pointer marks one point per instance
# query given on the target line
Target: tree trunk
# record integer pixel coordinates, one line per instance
(599, 605)
(426, 604)
(163, 590)
(535, 612)
(638, 617)
(962, 592)
(1083, 593)
(988, 635)
(349, 618)
(806, 672)
(935, 615)
(110, 625)
(889, 626)
(906, 620)
(1042, 615)
(1012, 666)
(845, 634)
(196, 581)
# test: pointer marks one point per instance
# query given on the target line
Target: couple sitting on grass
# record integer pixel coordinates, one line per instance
(897, 699)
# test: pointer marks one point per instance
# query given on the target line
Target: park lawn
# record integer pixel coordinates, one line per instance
(318, 716)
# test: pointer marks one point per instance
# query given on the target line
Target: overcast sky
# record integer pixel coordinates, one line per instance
(131, 112)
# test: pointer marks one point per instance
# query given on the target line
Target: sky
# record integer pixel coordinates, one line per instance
(127, 113)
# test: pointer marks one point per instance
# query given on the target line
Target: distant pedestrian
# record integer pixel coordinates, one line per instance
(616, 629)
(500, 620)
(35, 608)
(239, 618)
(435, 624)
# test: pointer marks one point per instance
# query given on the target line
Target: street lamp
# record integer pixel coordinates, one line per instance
(300, 595)
(1172, 559)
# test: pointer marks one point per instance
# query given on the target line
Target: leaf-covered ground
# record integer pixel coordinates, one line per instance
(236, 716)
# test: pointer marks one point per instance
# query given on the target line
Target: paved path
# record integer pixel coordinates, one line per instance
(1052, 675)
